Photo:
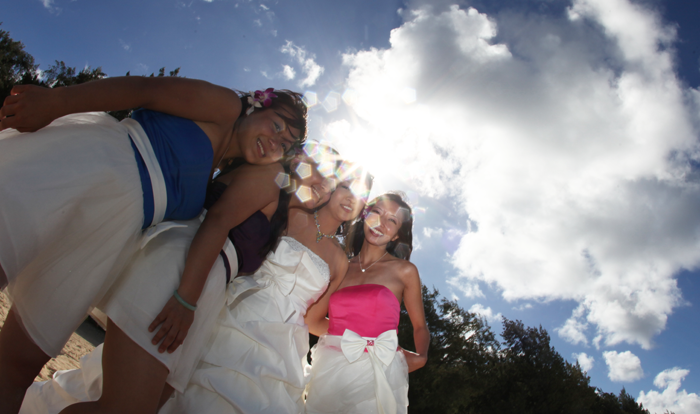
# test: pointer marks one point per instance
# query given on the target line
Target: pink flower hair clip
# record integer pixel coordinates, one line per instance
(259, 99)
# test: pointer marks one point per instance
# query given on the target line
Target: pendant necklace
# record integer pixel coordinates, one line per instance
(375, 262)
(320, 235)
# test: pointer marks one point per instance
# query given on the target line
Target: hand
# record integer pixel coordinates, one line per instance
(29, 108)
(175, 321)
(414, 360)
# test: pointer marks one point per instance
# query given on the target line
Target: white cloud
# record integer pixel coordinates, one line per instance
(306, 60)
(567, 145)
(468, 289)
(573, 331)
(670, 399)
(429, 232)
(125, 45)
(486, 313)
(49, 5)
(623, 366)
(585, 361)
(288, 72)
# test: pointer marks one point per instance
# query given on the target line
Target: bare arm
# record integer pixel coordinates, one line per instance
(413, 301)
(29, 107)
(251, 190)
(315, 316)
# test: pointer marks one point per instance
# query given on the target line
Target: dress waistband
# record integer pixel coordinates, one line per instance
(143, 145)
(380, 350)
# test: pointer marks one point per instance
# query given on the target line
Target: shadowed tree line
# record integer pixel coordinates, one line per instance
(17, 67)
(470, 371)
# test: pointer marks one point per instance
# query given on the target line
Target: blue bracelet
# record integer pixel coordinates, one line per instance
(183, 302)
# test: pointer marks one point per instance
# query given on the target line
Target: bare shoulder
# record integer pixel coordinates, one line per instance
(339, 260)
(403, 266)
(406, 270)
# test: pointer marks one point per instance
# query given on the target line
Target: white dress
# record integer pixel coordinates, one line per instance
(257, 358)
(132, 303)
(357, 367)
(71, 211)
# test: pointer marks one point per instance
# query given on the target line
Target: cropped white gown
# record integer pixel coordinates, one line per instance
(256, 362)
(255, 358)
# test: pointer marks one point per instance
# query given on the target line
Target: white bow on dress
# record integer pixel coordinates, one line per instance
(382, 351)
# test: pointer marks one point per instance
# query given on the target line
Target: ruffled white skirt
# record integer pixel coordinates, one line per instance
(338, 386)
(148, 283)
(252, 366)
(257, 356)
(71, 211)
(132, 304)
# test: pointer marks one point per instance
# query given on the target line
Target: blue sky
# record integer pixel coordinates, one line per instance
(550, 146)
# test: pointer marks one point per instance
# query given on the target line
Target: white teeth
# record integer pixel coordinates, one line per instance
(376, 232)
(316, 192)
(261, 148)
(347, 208)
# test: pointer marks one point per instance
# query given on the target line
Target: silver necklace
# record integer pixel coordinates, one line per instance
(320, 235)
(375, 262)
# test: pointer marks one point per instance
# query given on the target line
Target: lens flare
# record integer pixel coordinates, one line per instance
(310, 98)
(331, 102)
(350, 97)
(304, 193)
(282, 180)
(373, 220)
(303, 170)
(327, 169)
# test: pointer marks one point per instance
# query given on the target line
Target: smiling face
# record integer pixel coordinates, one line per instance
(348, 200)
(383, 222)
(264, 136)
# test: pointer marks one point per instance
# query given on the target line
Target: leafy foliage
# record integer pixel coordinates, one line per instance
(16, 65)
(61, 75)
(470, 371)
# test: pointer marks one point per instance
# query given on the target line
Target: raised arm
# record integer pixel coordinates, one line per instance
(251, 190)
(413, 301)
(29, 107)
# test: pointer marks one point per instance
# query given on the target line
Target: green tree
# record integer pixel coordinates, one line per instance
(16, 65)
(59, 75)
(531, 377)
(463, 349)
(469, 371)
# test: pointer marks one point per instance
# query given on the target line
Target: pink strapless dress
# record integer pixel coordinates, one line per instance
(356, 367)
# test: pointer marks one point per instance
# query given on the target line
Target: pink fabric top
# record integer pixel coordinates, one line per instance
(368, 310)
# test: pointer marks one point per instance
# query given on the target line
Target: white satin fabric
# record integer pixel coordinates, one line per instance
(346, 379)
(381, 351)
(71, 211)
(133, 303)
(257, 356)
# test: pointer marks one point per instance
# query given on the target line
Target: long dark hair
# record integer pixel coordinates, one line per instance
(402, 246)
(278, 222)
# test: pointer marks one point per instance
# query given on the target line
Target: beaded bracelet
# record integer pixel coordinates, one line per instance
(183, 302)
